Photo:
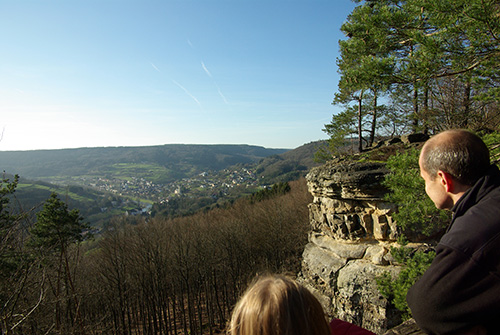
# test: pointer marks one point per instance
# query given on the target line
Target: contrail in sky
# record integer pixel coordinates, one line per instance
(222, 95)
(154, 67)
(206, 70)
(218, 88)
(187, 92)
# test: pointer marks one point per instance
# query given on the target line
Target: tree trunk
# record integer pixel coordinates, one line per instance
(466, 106)
(415, 108)
(426, 109)
(360, 122)
(374, 119)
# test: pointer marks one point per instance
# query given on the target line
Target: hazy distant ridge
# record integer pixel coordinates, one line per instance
(179, 159)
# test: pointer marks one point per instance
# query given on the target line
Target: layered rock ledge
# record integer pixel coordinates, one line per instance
(351, 234)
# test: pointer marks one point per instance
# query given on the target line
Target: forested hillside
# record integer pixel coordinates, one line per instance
(162, 164)
(179, 276)
(290, 165)
(171, 180)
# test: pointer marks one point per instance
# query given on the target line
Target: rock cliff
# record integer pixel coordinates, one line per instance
(349, 242)
(351, 234)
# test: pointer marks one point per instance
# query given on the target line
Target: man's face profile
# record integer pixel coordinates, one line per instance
(435, 188)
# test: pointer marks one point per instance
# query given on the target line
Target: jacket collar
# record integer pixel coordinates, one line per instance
(480, 189)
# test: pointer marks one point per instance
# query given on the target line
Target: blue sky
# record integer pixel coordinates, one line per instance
(84, 73)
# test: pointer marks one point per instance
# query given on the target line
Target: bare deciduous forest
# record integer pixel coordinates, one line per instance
(175, 276)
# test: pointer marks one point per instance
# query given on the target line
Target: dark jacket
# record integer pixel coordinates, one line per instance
(461, 288)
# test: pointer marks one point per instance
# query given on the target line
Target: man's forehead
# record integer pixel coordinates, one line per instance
(422, 171)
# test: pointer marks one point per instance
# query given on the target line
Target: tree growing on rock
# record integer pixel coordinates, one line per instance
(438, 60)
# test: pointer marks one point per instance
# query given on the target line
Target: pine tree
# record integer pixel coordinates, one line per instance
(56, 229)
(434, 62)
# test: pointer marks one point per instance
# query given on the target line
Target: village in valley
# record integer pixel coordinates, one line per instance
(215, 184)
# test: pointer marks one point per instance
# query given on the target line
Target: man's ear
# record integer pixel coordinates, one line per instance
(446, 180)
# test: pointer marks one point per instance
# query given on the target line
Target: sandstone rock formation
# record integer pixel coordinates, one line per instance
(349, 242)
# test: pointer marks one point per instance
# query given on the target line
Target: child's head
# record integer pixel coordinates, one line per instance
(278, 305)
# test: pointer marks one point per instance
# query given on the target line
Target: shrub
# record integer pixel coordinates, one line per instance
(492, 140)
(417, 215)
(418, 218)
(395, 289)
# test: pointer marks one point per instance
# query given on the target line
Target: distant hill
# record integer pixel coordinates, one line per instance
(164, 163)
(290, 165)
(174, 179)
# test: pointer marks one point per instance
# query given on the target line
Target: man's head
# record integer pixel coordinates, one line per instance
(450, 163)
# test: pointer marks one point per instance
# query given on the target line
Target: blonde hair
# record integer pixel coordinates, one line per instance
(277, 305)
